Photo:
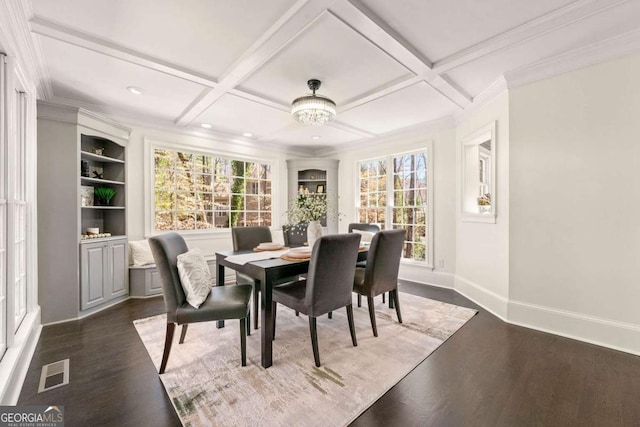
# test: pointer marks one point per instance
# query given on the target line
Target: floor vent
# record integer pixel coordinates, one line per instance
(54, 375)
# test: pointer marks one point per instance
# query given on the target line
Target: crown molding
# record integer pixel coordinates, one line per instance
(412, 132)
(134, 122)
(595, 53)
(496, 89)
(533, 29)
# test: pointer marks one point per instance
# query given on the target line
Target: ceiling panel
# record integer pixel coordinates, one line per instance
(347, 64)
(303, 136)
(439, 28)
(89, 77)
(476, 76)
(407, 107)
(198, 35)
(235, 115)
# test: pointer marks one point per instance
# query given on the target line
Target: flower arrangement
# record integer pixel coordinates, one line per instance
(307, 207)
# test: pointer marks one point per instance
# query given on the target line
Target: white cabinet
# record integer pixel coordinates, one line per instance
(103, 272)
(80, 155)
(316, 176)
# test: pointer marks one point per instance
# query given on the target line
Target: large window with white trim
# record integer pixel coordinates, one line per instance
(195, 191)
(396, 192)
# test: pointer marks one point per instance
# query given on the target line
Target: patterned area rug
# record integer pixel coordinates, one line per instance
(208, 386)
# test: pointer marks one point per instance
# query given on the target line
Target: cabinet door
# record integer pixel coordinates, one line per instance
(118, 283)
(93, 275)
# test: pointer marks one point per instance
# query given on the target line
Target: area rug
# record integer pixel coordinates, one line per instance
(209, 387)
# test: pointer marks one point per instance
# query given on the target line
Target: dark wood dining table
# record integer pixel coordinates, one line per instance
(267, 273)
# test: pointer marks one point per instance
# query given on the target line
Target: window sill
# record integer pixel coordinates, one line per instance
(413, 263)
(476, 217)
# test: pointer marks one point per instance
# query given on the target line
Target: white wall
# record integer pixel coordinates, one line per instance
(138, 162)
(575, 222)
(482, 249)
(444, 187)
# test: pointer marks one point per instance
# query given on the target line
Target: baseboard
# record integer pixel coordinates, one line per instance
(489, 300)
(425, 276)
(16, 360)
(603, 332)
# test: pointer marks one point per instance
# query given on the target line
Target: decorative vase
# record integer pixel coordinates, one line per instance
(314, 232)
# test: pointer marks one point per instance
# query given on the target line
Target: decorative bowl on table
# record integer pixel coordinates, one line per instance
(299, 253)
(269, 246)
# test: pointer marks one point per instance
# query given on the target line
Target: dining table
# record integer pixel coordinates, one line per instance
(267, 272)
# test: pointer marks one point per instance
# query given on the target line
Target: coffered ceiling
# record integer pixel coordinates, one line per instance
(237, 65)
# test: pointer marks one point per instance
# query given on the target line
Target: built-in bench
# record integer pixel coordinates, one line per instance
(144, 281)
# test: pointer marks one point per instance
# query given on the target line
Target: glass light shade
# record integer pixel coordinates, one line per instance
(313, 110)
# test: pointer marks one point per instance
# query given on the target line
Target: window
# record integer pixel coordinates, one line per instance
(478, 175)
(395, 193)
(198, 192)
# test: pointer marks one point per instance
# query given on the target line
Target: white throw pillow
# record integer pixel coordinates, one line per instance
(366, 235)
(195, 277)
(140, 253)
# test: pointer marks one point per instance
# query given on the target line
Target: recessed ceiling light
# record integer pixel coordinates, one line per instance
(247, 134)
(315, 137)
(135, 90)
(206, 125)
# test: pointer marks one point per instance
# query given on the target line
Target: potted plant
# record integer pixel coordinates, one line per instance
(103, 195)
(484, 203)
(310, 208)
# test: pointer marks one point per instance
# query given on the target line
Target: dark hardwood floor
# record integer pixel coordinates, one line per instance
(489, 373)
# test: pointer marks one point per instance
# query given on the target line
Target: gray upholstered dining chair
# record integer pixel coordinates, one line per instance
(328, 286)
(244, 239)
(381, 273)
(295, 235)
(223, 302)
(372, 228)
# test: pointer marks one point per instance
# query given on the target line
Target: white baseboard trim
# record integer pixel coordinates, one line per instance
(603, 332)
(426, 277)
(16, 360)
(489, 300)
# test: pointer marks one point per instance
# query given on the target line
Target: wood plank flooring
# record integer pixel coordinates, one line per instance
(488, 374)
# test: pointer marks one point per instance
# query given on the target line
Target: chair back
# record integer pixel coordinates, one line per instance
(295, 235)
(363, 226)
(383, 262)
(165, 249)
(245, 238)
(331, 273)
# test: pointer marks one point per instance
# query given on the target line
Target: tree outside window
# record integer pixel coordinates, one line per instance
(199, 192)
(397, 199)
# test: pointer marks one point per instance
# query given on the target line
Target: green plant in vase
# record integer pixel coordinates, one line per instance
(104, 195)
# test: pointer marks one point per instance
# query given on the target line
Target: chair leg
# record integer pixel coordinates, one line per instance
(330, 314)
(297, 313)
(249, 323)
(372, 315)
(314, 340)
(168, 340)
(391, 299)
(396, 301)
(244, 325)
(352, 327)
(359, 300)
(183, 333)
(256, 307)
(383, 297)
(274, 308)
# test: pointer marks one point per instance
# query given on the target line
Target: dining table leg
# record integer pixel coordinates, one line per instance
(220, 282)
(266, 327)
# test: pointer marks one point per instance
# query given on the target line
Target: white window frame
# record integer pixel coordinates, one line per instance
(469, 178)
(429, 211)
(152, 144)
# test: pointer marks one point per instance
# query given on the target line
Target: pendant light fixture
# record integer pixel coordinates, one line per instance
(315, 110)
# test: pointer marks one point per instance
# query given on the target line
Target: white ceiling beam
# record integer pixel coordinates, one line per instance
(552, 21)
(365, 22)
(299, 17)
(59, 32)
